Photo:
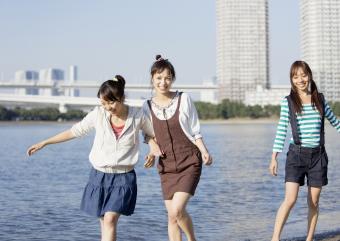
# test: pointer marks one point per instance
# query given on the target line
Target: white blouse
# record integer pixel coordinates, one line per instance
(188, 117)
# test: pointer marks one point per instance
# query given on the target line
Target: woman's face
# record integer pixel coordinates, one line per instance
(114, 107)
(162, 81)
(300, 80)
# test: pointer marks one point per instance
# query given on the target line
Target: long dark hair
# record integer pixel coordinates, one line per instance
(112, 90)
(316, 98)
(160, 65)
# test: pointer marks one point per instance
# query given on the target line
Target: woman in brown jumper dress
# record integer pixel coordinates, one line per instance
(182, 150)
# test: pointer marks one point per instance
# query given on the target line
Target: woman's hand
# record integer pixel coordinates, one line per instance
(36, 147)
(149, 160)
(154, 148)
(61, 137)
(206, 158)
(273, 167)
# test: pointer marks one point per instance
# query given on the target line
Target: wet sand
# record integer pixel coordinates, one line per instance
(329, 236)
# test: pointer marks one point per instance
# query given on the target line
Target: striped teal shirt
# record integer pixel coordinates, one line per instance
(309, 124)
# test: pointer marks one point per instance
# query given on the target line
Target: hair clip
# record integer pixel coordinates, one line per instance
(161, 59)
(114, 79)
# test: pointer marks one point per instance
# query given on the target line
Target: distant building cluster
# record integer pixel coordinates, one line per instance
(46, 82)
(243, 49)
(263, 96)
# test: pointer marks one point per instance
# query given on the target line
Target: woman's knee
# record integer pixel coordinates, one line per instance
(313, 204)
(175, 214)
(110, 219)
(290, 201)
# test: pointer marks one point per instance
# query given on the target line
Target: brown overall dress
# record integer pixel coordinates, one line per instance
(180, 168)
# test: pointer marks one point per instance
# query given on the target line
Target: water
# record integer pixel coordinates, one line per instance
(236, 198)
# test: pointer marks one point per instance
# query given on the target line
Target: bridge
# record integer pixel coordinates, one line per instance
(93, 85)
(65, 102)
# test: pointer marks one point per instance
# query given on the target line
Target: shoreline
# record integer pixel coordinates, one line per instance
(326, 236)
(209, 121)
(231, 121)
(240, 121)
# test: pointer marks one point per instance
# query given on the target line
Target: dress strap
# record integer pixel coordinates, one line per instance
(179, 101)
(322, 128)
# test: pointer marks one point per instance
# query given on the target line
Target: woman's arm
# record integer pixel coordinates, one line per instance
(331, 117)
(282, 127)
(273, 164)
(280, 136)
(77, 130)
(193, 125)
(61, 137)
(153, 152)
(207, 159)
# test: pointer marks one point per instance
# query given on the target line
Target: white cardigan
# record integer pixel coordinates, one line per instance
(109, 154)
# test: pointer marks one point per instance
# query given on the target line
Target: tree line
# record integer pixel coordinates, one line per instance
(224, 110)
(231, 109)
(39, 114)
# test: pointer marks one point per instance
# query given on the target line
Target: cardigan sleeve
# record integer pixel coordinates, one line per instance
(87, 124)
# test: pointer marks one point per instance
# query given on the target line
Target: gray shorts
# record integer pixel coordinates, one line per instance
(307, 162)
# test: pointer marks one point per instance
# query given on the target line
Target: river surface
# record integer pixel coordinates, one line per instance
(236, 198)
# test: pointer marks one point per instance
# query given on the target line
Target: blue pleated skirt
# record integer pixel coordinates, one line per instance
(110, 192)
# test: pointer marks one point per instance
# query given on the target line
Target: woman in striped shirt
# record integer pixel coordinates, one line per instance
(305, 109)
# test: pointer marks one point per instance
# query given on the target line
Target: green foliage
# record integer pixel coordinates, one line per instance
(6, 114)
(224, 110)
(39, 114)
(335, 106)
(231, 109)
(206, 110)
(73, 115)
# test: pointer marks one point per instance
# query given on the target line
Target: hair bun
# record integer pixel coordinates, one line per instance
(120, 79)
(158, 57)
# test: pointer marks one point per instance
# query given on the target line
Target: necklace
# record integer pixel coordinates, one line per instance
(165, 107)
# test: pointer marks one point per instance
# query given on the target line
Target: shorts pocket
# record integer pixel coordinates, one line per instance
(324, 160)
(293, 159)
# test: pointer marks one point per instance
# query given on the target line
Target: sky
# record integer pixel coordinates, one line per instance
(109, 37)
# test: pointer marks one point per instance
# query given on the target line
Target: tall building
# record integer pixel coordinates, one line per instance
(73, 77)
(50, 76)
(26, 77)
(242, 47)
(320, 43)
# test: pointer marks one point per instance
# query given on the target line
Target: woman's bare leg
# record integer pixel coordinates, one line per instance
(313, 210)
(109, 226)
(291, 194)
(178, 218)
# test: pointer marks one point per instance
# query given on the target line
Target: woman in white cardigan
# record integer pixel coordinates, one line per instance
(112, 187)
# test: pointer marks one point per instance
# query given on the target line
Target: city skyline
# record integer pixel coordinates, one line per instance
(101, 39)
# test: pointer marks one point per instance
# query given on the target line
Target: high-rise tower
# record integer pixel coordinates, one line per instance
(242, 47)
(320, 43)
